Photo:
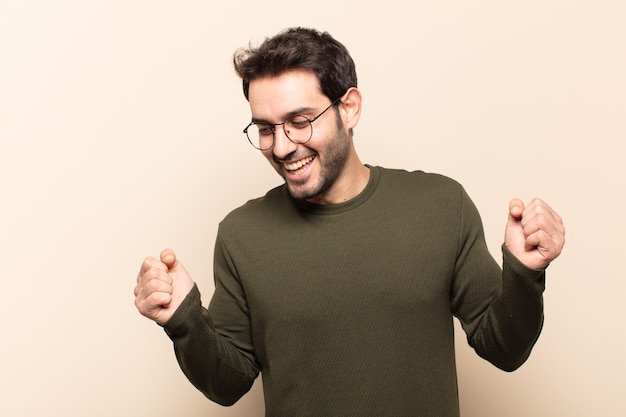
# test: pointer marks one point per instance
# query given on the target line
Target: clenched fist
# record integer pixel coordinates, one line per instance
(534, 233)
(162, 285)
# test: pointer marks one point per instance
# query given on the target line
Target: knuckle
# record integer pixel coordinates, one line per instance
(150, 263)
(540, 219)
(152, 274)
(152, 286)
(147, 262)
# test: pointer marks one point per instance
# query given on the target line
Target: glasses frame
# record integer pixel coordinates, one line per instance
(273, 127)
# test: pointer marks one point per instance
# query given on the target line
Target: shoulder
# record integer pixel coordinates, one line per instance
(418, 180)
(272, 205)
(430, 192)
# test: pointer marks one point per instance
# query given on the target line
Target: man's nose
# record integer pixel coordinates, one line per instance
(283, 146)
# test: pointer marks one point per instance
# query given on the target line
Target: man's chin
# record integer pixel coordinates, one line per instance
(310, 194)
(301, 191)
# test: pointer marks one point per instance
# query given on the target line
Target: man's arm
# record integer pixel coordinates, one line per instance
(502, 310)
(166, 294)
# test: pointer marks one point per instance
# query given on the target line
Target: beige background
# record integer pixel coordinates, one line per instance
(120, 128)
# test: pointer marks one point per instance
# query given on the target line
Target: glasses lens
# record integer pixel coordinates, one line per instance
(298, 129)
(260, 135)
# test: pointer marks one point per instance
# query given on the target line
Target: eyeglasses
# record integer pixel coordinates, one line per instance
(298, 129)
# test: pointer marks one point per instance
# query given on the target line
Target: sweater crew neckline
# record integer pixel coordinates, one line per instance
(329, 209)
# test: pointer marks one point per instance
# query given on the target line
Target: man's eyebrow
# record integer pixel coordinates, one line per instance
(297, 112)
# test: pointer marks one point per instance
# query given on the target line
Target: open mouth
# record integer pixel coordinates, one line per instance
(297, 165)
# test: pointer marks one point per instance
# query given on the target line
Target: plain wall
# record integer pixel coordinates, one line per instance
(120, 134)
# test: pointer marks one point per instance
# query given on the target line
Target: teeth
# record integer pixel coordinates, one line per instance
(298, 164)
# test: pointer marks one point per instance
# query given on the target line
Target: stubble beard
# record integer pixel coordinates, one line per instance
(335, 156)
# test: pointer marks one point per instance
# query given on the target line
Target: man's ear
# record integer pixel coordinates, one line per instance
(351, 107)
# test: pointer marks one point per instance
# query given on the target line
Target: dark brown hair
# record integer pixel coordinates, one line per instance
(299, 48)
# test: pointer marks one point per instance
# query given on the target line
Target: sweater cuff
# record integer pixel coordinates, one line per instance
(517, 267)
(178, 324)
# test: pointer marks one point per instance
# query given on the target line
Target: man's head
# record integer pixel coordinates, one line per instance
(292, 81)
(299, 48)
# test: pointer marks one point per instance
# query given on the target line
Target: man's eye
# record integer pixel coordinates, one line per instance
(264, 130)
(299, 122)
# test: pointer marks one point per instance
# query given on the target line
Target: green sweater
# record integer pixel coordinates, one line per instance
(347, 309)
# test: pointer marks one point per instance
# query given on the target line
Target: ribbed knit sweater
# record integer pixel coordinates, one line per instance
(347, 309)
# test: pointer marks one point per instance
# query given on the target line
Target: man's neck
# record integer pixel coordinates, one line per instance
(352, 182)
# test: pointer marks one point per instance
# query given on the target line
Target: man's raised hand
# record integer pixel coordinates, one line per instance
(162, 285)
(534, 233)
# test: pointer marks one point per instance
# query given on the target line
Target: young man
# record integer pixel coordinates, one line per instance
(340, 286)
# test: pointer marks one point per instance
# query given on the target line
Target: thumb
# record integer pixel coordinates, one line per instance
(514, 233)
(168, 257)
(516, 208)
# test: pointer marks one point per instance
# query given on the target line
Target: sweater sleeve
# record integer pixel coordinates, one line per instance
(501, 310)
(221, 366)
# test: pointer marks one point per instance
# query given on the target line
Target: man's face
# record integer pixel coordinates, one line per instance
(311, 170)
